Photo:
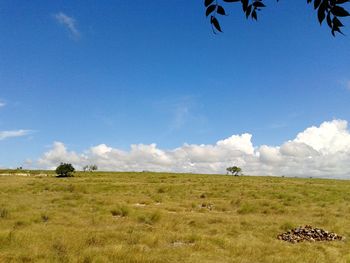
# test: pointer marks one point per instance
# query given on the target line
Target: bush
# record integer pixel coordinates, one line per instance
(65, 170)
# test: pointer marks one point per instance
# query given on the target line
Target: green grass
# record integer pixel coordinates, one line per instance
(157, 217)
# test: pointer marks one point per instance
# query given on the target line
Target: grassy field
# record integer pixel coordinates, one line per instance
(156, 217)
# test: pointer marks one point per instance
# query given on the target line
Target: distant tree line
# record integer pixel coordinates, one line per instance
(90, 168)
(67, 169)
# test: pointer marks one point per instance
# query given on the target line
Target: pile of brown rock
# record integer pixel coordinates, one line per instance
(308, 233)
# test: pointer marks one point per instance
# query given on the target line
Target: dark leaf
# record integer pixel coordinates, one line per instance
(208, 2)
(248, 11)
(337, 23)
(339, 11)
(321, 14)
(215, 23)
(245, 5)
(336, 29)
(220, 10)
(258, 4)
(329, 20)
(210, 9)
(317, 3)
(339, 2)
(254, 15)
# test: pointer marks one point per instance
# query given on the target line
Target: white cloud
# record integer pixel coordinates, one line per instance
(2, 104)
(69, 23)
(58, 154)
(322, 151)
(10, 134)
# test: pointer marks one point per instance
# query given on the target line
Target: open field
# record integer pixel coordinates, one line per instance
(156, 217)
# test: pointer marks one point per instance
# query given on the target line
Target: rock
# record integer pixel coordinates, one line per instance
(308, 233)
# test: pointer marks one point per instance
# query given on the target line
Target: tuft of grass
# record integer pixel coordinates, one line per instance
(247, 208)
(161, 190)
(60, 250)
(3, 212)
(19, 224)
(287, 226)
(44, 217)
(150, 219)
(121, 211)
(94, 241)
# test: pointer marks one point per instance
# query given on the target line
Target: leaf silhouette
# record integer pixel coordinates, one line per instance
(216, 24)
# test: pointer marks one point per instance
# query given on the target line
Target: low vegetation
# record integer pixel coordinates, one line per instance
(158, 217)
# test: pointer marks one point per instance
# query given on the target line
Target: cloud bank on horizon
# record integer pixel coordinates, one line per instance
(322, 151)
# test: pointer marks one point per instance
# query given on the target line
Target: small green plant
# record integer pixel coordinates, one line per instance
(65, 170)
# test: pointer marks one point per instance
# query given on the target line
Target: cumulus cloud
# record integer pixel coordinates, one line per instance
(69, 23)
(16, 133)
(322, 151)
(59, 154)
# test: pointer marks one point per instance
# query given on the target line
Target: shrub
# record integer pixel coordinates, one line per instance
(65, 170)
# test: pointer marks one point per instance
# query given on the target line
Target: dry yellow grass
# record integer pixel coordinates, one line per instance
(156, 217)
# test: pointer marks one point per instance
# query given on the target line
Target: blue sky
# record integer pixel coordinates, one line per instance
(130, 72)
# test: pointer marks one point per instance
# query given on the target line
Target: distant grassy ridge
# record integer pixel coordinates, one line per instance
(164, 217)
(23, 171)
